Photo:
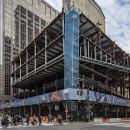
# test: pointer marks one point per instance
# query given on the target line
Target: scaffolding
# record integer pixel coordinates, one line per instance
(71, 49)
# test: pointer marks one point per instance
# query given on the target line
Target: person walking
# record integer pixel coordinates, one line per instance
(27, 119)
(10, 120)
(50, 118)
(14, 120)
(35, 121)
(39, 119)
(60, 119)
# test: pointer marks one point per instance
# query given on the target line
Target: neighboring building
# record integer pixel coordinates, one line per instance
(90, 8)
(20, 22)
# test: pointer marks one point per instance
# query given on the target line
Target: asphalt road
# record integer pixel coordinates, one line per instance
(77, 126)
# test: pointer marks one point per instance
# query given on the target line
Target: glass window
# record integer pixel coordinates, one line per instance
(43, 22)
(48, 11)
(43, 7)
(36, 18)
(30, 15)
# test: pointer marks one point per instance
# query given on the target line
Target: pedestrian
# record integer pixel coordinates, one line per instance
(50, 118)
(39, 119)
(14, 120)
(34, 119)
(4, 121)
(60, 119)
(27, 119)
(70, 118)
(10, 120)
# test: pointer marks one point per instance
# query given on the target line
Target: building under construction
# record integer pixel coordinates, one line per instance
(71, 67)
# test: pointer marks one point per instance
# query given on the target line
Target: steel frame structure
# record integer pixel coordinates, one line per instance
(99, 55)
(41, 64)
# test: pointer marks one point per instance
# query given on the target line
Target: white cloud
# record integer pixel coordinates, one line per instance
(117, 13)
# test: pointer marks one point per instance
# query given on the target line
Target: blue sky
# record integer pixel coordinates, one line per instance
(117, 13)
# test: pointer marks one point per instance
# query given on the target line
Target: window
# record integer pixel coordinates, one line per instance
(43, 7)
(48, 11)
(36, 18)
(43, 22)
(23, 10)
(53, 15)
(30, 15)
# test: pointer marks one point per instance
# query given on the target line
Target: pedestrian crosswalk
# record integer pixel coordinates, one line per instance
(116, 124)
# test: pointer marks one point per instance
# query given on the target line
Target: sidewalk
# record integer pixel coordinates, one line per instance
(52, 124)
(98, 120)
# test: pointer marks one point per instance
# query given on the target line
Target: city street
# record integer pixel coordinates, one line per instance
(77, 126)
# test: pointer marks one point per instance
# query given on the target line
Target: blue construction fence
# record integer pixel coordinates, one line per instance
(69, 94)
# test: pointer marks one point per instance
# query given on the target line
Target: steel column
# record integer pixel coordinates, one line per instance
(45, 47)
(88, 48)
(85, 48)
(35, 49)
(95, 52)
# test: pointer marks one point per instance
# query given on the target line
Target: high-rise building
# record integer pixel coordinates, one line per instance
(90, 8)
(20, 22)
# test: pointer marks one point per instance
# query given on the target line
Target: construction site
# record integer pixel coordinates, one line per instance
(71, 67)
